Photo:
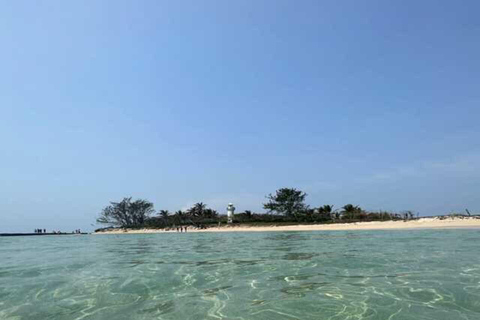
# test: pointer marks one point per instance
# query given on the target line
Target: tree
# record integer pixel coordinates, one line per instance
(210, 213)
(198, 210)
(164, 214)
(179, 216)
(350, 211)
(126, 213)
(287, 201)
(326, 211)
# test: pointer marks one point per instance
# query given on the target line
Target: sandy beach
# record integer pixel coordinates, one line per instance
(423, 223)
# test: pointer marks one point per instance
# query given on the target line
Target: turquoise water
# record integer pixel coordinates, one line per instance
(421, 274)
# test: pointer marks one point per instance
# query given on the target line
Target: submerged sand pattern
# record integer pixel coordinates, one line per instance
(393, 274)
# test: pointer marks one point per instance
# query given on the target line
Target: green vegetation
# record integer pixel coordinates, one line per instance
(126, 213)
(287, 201)
(286, 206)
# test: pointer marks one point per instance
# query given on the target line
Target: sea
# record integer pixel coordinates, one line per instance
(331, 275)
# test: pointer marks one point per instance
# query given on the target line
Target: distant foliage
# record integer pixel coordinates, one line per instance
(126, 213)
(325, 212)
(287, 201)
(164, 214)
(286, 206)
(200, 210)
(198, 214)
(351, 212)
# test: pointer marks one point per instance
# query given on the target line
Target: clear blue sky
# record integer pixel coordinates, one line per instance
(375, 103)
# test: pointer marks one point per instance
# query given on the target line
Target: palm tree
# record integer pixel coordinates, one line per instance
(179, 213)
(178, 216)
(210, 213)
(326, 210)
(198, 209)
(164, 214)
(350, 211)
(309, 214)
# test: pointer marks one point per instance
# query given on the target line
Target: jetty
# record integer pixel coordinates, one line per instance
(40, 234)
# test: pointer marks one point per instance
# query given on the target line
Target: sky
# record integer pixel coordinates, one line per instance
(375, 103)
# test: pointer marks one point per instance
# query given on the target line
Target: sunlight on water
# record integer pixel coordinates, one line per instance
(422, 274)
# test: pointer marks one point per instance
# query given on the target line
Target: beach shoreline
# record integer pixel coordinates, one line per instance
(422, 223)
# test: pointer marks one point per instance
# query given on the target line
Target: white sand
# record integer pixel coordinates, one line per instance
(423, 223)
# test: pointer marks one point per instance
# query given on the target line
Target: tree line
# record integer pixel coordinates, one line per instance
(286, 205)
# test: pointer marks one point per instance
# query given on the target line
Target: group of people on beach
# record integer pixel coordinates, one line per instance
(182, 229)
(40, 231)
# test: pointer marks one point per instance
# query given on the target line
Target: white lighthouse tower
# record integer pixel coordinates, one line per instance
(230, 211)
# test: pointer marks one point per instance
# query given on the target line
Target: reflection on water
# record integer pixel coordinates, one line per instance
(422, 274)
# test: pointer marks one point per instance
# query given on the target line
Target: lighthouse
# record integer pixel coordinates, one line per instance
(230, 211)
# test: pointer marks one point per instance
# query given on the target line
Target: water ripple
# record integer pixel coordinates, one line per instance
(375, 275)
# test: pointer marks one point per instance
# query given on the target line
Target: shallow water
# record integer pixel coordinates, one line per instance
(418, 274)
